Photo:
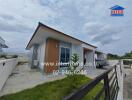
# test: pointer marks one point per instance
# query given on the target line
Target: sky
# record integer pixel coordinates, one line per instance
(87, 20)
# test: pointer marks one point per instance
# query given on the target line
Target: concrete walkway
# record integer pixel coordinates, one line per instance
(128, 85)
(23, 77)
(92, 73)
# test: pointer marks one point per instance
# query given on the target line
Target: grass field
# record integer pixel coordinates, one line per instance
(55, 90)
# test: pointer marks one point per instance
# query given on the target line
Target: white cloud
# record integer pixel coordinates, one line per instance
(88, 20)
(19, 18)
(101, 33)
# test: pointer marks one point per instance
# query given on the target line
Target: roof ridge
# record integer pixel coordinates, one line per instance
(41, 24)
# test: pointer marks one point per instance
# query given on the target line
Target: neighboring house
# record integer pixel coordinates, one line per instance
(2, 44)
(48, 45)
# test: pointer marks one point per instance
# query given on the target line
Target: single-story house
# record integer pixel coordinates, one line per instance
(49, 45)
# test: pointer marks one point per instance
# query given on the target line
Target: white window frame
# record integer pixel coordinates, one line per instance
(60, 53)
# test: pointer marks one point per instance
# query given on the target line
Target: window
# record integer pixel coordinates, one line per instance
(64, 56)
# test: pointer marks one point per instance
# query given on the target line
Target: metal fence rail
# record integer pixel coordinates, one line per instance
(110, 87)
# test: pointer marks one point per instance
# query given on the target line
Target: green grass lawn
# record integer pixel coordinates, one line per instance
(55, 90)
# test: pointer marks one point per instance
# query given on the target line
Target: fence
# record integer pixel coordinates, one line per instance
(110, 86)
(6, 68)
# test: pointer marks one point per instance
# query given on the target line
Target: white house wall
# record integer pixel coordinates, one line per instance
(75, 48)
(65, 44)
(90, 56)
(41, 54)
(90, 60)
(89, 47)
(30, 57)
(78, 50)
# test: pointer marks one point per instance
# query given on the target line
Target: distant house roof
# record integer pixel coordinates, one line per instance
(117, 7)
(42, 25)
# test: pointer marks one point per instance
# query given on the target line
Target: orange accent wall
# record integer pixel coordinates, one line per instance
(51, 55)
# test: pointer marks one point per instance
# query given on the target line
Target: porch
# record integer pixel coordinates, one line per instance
(88, 58)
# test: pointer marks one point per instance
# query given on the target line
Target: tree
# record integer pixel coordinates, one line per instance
(112, 56)
(127, 55)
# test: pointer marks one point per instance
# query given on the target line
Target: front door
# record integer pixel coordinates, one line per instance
(51, 55)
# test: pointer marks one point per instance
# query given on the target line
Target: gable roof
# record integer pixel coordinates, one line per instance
(59, 32)
(117, 7)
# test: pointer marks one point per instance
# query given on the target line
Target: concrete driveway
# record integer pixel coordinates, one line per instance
(23, 78)
(128, 85)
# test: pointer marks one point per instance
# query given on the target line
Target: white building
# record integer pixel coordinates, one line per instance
(48, 45)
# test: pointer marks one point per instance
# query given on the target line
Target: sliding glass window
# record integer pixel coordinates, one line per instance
(64, 56)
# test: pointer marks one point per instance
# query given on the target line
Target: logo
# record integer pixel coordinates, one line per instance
(117, 11)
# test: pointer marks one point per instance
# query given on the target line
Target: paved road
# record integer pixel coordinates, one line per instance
(128, 85)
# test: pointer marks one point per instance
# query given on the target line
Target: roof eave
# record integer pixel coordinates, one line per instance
(40, 24)
(27, 47)
(66, 35)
